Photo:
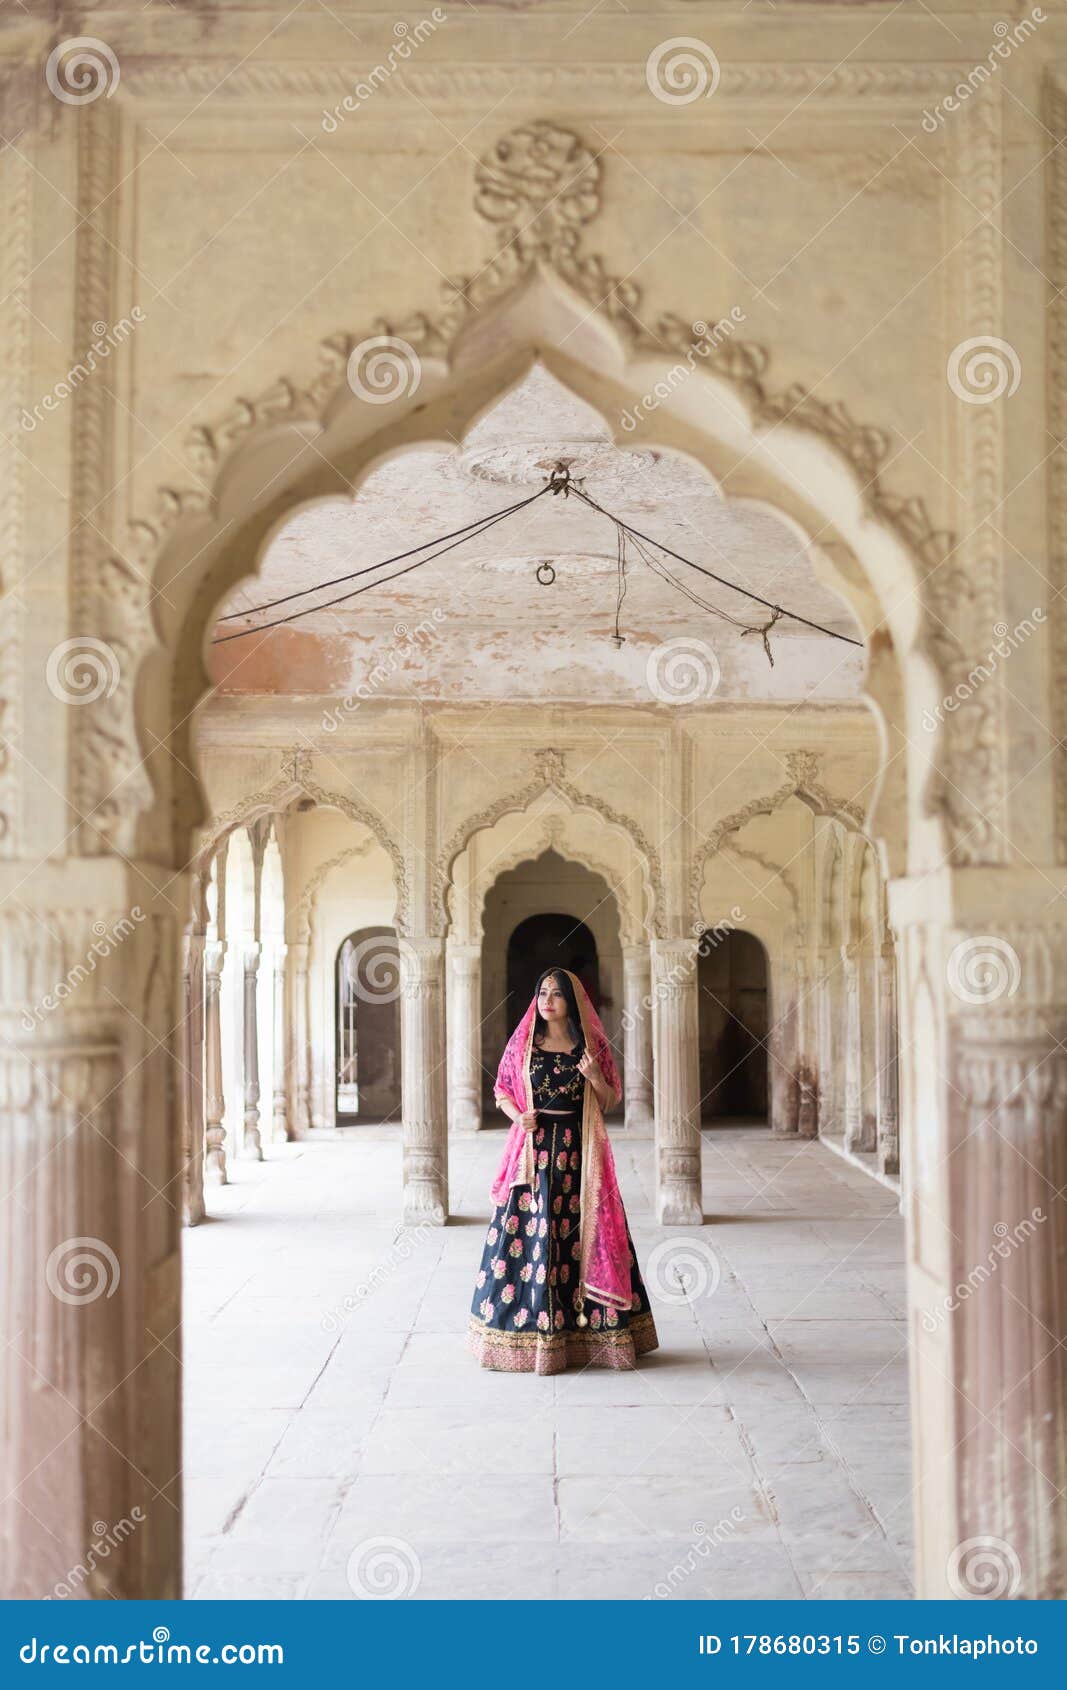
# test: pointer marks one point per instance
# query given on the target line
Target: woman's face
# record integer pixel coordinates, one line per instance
(551, 1004)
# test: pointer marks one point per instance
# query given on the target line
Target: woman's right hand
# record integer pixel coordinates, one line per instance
(527, 1121)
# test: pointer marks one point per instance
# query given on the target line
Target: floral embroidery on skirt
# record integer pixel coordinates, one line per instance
(524, 1314)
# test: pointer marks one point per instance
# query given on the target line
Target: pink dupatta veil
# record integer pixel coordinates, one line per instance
(604, 1251)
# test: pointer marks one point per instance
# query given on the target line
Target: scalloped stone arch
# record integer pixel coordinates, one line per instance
(803, 783)
(304, 908)
(566, 820)
(295, 782)
(302, 444)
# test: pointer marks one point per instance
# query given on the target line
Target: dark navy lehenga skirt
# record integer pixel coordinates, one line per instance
(524, 1315)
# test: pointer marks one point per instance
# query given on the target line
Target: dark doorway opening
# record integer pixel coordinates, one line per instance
(549, 941)
(368, 1027)
(733, 997)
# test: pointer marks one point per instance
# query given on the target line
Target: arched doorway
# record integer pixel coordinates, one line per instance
(367, 1024)
(732, 982)
(549, 941)
(548, 910)
(811, 484)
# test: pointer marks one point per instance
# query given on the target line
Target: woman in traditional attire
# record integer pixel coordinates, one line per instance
(559, 1281)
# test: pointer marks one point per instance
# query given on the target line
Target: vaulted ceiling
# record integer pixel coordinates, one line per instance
(475, 624)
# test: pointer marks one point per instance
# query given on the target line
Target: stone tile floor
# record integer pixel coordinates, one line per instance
(761, 1452)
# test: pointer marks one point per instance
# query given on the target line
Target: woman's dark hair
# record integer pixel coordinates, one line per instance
(574, 1019)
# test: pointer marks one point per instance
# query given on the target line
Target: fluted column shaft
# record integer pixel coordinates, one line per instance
(983, 1098)
(191, 1076)
(253, 1143)
(214, 1094)
(280, 1102)
(299, 1053)
(423, 1081)
(464, 1019)
(676, 1063)
(887, 1059)
(637, 1084)
(853, 1051)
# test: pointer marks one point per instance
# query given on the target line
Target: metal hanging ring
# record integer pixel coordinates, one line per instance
(546, 579)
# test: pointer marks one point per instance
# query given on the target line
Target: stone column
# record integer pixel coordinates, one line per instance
(853, 1051)
(253, 1144)
(280, 1121)
(869, 1013)
(423, 1081)
(214, 1095)
(89, 1245)
(300, 1055)
(637, 1089)
(782, 1046)
(192, 1077)
(806, 1068)
(676, 1066)
(464, 1020)
(983, 1098)
(828, 962)
(887, 1130)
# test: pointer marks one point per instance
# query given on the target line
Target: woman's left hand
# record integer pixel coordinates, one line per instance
(590, 1068)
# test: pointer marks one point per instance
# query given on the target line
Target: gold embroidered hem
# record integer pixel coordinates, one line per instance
(554, 1352)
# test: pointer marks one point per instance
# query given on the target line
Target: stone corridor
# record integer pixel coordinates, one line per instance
(761, 1452)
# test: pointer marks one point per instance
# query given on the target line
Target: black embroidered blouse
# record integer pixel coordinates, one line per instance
(556, 1079)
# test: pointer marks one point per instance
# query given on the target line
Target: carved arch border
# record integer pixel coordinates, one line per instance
(304, 909)
(538, 225)
(803, 783)
(630, 930)
(296, 781)
(550, 780)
